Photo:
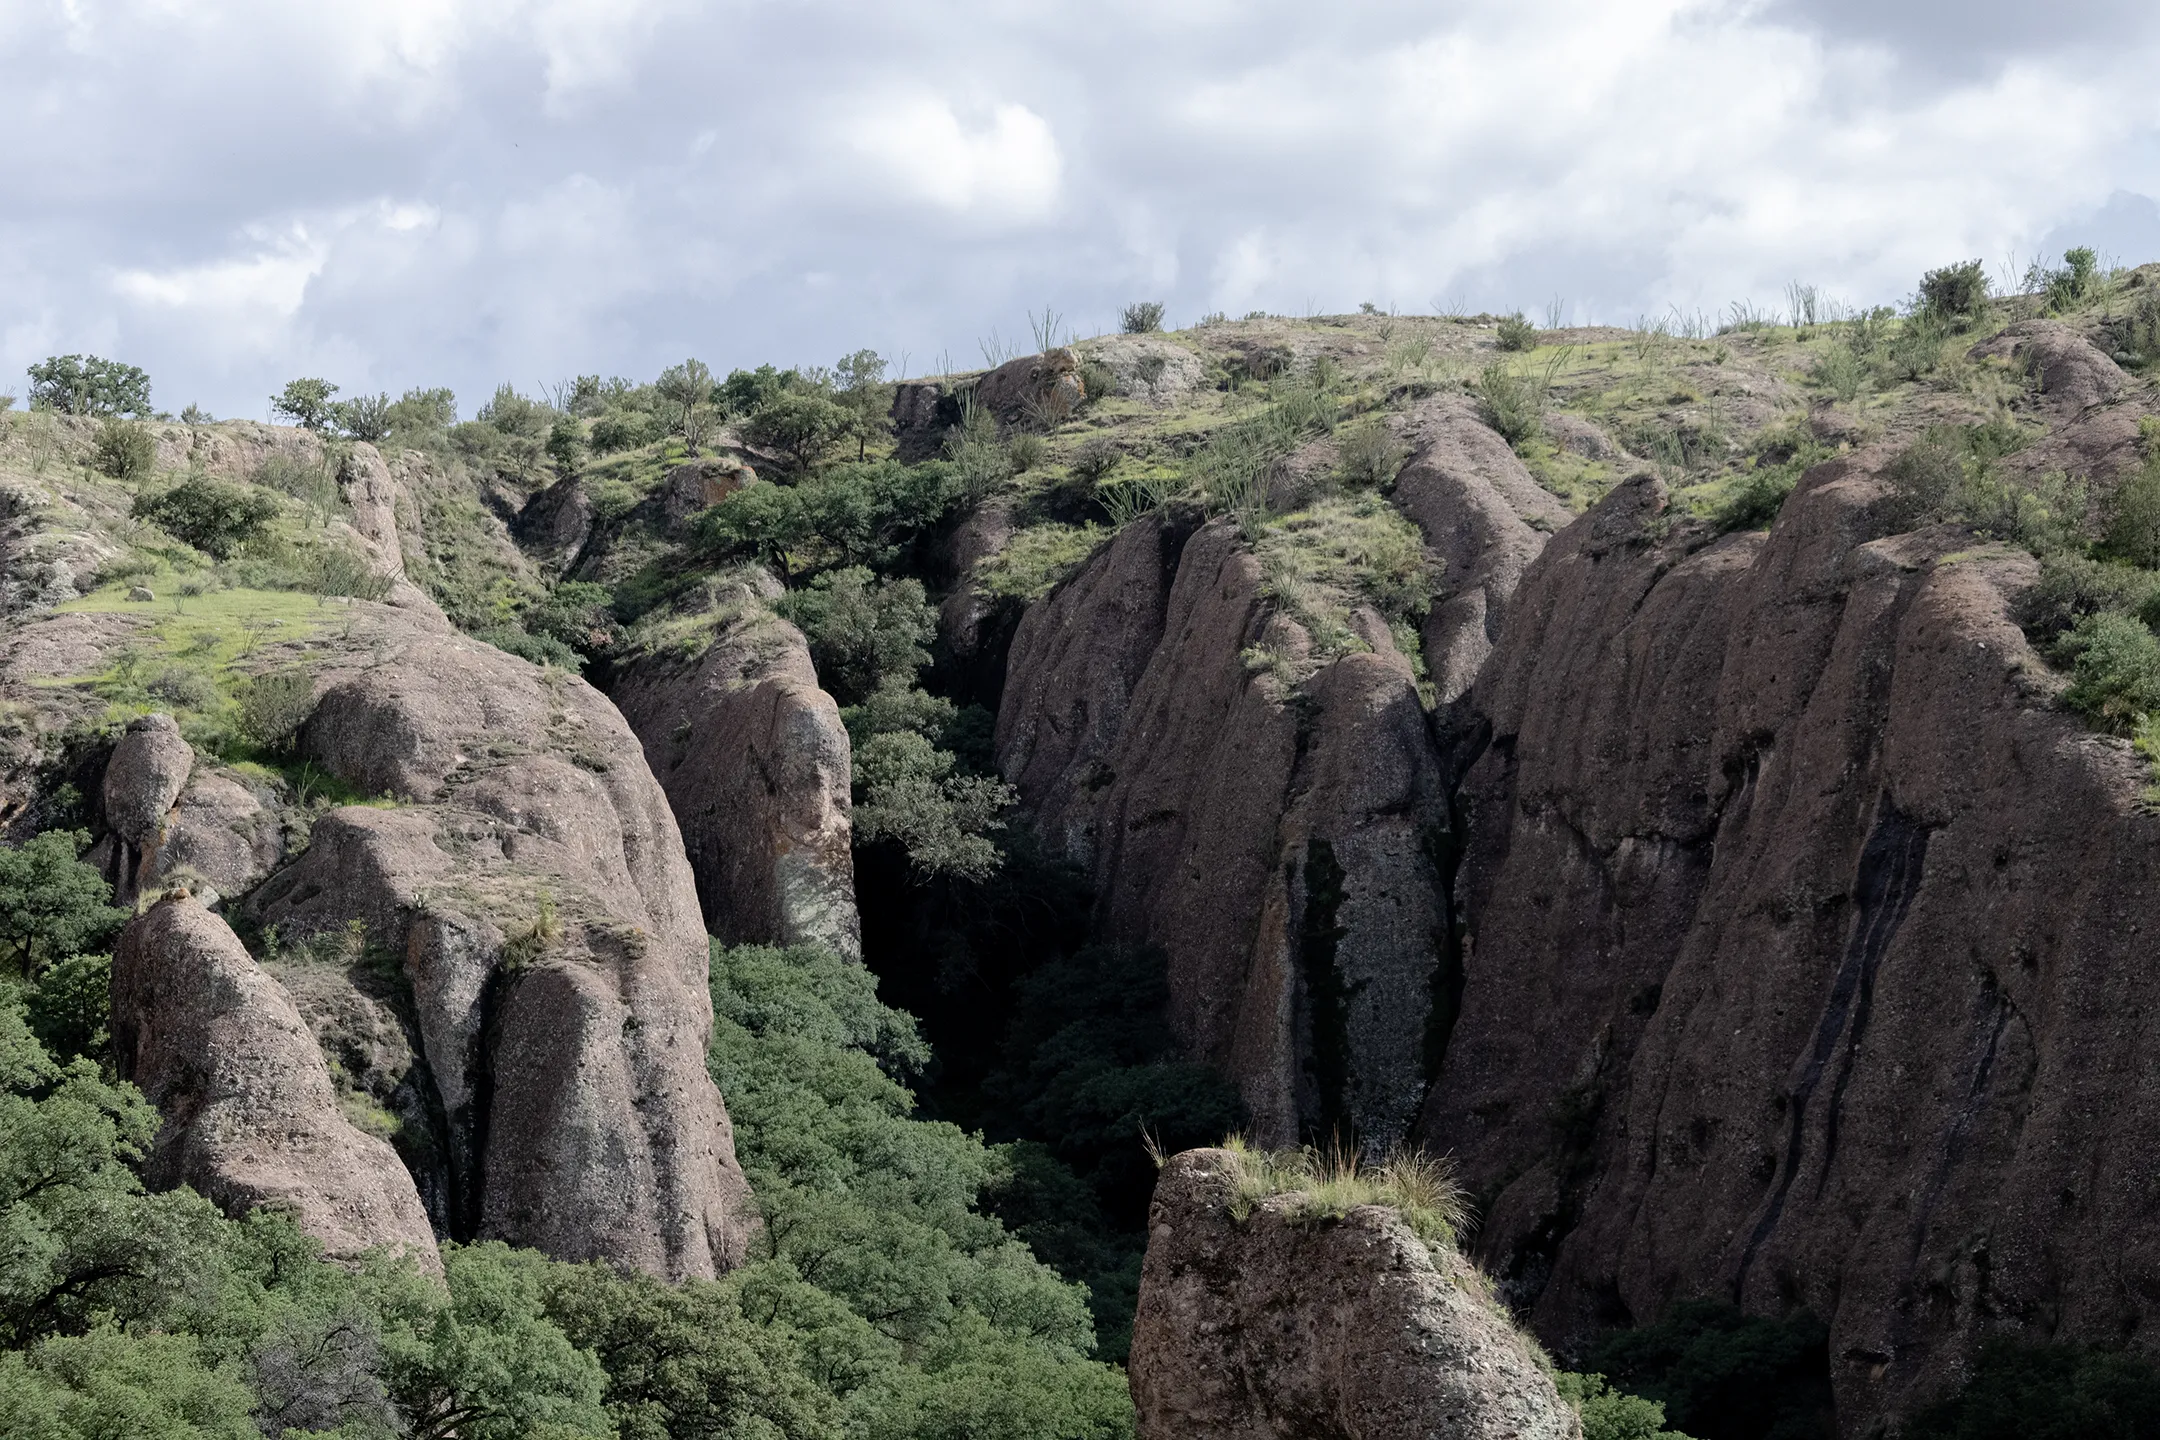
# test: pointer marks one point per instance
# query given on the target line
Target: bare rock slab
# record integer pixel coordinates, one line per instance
(251, 1117)
(1273, 1328)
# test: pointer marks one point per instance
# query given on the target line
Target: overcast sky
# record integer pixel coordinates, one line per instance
(393, 193)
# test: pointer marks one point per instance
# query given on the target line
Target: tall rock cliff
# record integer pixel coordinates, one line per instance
(1805, 945)
(1280, 845)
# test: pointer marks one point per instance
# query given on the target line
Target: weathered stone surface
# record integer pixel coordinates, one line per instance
(148, 768)
(1032, 387)
(1789, 886)
(757, 765)
(1272, 1329)
(535, 890)
(1484, 518)
(2072, 373)
(373, 496)
(1280, 848)
(250, 1116)
(1133, 359)
(222, 833)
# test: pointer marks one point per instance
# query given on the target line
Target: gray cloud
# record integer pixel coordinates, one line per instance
(399, 192)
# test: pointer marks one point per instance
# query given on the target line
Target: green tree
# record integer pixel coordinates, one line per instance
(364, 417)
(1609, 1414)
(802, 425)
(110, 1383)
(1954, 295)
(687, 390)
(69, 1006)
(52, 905)
(2115, 669)
(2133, 530)
(862, 629)
(745, 390)
(124, 450)
(422, 412)
(2046, 1392)
(908, 792)
(88, 385)
(861, 388)
(212, 515)
(307, 403)
(85, 1245)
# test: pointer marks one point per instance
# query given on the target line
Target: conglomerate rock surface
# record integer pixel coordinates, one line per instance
(1273, 1327)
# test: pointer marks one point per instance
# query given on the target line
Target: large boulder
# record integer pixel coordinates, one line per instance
(250, 1116)
(224, 833)
(757, 765)
(530, 883)
(1275, 1327)
(1279, 844)
(148, 769)
(1806, 942)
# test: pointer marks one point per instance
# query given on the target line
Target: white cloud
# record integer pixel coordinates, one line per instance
(1004, 166)
(463, 191)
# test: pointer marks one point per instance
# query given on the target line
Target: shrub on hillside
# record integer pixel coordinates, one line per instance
(1955, 295)
(124, 450)
(1512, 404)
(212, 515)
(1367, 455)
(1142, 317)
(1516, 333)
(422, 413)
(364, 417)
(862, 630)
(273, 707)
(2072, 587)
(2114, 669)
(2133, 527)
(803, 426)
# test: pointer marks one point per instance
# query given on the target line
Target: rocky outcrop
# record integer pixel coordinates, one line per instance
(531, 885)
(373, 496)
(1804, 946)
(756, 763)
(1031, 390)
(1353, 1329)
(1484, 518)
(144, 776)
(1148, 367)
(1280, 846)
(250, 1116)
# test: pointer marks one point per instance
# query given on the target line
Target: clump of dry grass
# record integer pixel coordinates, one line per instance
(1328, 1184)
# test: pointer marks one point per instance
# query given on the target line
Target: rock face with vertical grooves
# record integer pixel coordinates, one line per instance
(250, 1117)
(1279, 847)
(1806, 946)
(757, 765)
(1271, 1328)
(531, 886)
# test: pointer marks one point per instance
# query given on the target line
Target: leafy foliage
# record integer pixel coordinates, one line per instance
(1955, 294)
(1142, 317)
(212, 515)
(307, 402)
(1609, 1414)
(1516, 333)
(2047, 1392)
(52, 905)
(88, 385)
(863, 630)
(123, 450)
(1724, 1375)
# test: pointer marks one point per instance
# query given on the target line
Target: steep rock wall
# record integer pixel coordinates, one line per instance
(1805, 946)
(757, 766)
(1278, 846)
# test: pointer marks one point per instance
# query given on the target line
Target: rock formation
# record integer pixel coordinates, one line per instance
(250, 1116)
(1805, 945)
(1276, 1328)
(1281, 848)
(1484, 518)
(531, 884)
(756, 764)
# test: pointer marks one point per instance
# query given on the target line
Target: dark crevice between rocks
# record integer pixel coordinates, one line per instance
(1888, 877)
(468, 1170)
(1326, 998)
(1444, 847)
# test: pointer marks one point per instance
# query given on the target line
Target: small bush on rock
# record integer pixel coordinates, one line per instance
(273, 707)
